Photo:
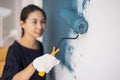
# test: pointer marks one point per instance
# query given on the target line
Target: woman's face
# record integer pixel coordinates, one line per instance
(34, 25)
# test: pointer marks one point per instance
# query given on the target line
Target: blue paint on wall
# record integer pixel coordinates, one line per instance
(63, 18)
(84, 4)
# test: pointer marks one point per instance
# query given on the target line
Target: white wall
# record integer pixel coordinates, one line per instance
(97, 53)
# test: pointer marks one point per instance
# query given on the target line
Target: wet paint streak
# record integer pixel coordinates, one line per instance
(77, 22)
(63, 18)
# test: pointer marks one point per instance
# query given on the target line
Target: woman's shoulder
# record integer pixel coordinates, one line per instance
(14, 45)
(14, 48)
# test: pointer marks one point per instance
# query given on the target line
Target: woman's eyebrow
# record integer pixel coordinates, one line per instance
(34, 19)
(37, 19)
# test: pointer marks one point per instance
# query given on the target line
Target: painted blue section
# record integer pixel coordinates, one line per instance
(84, 4)
(74, 20)
(62, 19)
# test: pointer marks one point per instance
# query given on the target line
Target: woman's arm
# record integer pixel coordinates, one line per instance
(42, 64)
(25, 74)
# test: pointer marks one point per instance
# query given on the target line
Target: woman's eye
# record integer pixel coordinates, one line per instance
(43, 21)
(34, 22)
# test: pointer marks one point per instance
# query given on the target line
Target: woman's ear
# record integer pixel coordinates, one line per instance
(22, 24)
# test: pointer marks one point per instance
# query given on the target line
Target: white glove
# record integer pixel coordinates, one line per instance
(45, 63)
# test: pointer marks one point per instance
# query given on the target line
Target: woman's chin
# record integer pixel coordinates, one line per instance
(38, 36)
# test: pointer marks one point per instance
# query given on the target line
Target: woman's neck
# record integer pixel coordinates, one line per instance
(29, 42)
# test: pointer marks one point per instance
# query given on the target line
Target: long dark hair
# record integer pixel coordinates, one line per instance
(26, 11)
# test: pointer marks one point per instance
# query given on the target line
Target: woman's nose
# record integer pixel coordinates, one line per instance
(39, 26)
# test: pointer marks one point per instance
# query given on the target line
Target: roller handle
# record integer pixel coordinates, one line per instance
(53, 53)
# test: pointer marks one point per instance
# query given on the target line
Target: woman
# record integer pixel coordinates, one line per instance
(26, 57)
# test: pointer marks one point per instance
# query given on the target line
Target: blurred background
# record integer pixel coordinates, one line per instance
(9, 19)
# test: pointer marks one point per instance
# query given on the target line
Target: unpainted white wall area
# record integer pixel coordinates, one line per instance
(97, 53)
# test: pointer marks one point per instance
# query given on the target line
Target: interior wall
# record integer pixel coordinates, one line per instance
(100, 47)
(95, 55)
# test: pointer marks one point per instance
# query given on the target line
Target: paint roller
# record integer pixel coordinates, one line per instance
(76, 21)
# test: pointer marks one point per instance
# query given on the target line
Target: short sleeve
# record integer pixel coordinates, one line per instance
(11, 66)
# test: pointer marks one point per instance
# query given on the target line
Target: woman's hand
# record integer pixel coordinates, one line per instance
(45, 63)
